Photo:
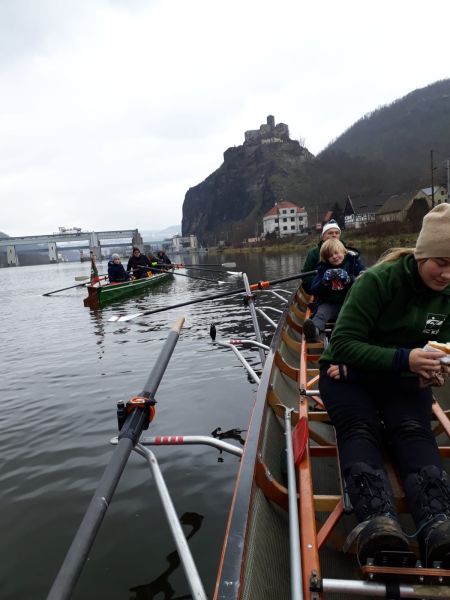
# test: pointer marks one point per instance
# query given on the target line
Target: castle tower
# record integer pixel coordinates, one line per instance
(271, 121)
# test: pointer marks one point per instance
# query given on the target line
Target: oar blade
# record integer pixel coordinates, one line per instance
(115, 318)
(229, 265)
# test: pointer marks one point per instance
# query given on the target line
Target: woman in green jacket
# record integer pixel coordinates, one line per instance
(375, 382)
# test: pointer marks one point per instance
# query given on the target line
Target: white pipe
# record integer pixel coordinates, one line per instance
(195, 584)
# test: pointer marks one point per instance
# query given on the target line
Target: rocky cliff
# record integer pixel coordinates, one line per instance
(229, 204)
(386, 152)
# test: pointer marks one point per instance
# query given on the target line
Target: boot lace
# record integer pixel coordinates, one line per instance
(435, 500)
(370, 491)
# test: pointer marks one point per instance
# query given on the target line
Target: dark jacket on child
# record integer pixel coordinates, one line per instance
(335, 290)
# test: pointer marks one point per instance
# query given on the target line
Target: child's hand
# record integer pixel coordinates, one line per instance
(327, 277)
(343, 276)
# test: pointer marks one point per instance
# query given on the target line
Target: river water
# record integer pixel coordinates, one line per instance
(63, 369)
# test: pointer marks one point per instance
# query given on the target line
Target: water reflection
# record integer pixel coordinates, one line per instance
(97, 319)
(161, 585)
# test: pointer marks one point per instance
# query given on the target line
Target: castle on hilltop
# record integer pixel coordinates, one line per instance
(268, 133)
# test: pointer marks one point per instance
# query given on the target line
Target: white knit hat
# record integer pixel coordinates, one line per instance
(434, 237)
(330, 225)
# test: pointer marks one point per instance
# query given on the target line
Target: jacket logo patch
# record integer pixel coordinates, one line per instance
(433, 323)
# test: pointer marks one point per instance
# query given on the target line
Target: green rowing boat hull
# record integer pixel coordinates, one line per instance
(101, 295)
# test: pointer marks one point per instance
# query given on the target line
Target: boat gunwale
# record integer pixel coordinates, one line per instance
(100, 295)
(233, 550)
(112, 287)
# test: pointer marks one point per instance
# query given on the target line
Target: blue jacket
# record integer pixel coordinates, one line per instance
(323, 291)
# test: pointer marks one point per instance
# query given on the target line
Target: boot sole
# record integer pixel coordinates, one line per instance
(381, 542)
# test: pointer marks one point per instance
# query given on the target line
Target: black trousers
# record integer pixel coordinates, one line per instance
(370, 416)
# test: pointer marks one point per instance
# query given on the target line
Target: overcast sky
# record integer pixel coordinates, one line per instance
(110, 110)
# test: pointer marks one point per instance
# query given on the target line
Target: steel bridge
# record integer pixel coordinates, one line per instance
(93, 238)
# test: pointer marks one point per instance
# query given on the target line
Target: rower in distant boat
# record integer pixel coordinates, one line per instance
(375, 380)
(154, 262)
(163, 260)
(116, 271)
(139, 264)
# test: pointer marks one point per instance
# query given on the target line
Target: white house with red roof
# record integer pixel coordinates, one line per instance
(285, 218)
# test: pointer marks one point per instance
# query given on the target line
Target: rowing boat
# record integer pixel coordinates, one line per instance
(99, 295)
(257, 555)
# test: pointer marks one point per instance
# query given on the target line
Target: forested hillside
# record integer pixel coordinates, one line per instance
(399, 138)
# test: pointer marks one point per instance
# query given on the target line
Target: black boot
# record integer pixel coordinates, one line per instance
(428, 495)
(310, 330)
(373, 505)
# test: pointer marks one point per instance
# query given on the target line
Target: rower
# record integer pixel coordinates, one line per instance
(376, 376)
(116, 271)
(163, 260)
(139, 264)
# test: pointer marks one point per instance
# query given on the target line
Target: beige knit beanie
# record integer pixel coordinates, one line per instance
(434, 237)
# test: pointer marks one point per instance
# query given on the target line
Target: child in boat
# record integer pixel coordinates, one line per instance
(336, 272)
(116, 272)
(388, 317)
(330, 230)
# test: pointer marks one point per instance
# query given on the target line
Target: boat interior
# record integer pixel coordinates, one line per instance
(257, 555)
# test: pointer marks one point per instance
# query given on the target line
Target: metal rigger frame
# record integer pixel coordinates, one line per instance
(133, 418)
(249, 300)
(187, 561)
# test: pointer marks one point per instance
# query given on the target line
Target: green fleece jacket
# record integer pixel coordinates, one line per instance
(311, 261)
(388, 308)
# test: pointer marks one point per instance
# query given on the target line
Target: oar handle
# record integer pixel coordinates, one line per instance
(178, 325)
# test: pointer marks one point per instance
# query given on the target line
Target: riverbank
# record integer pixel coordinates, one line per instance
(357, 239)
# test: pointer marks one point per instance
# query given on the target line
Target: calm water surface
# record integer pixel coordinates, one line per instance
(63, 369)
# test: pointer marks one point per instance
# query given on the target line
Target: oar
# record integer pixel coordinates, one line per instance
(138, 410)
(229, 265)
(183, 266)
(70, 287)
(256, 286)
(82, 277)
(180, 274)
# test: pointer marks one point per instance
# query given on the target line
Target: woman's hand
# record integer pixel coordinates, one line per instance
(335, 372)
(425, 363)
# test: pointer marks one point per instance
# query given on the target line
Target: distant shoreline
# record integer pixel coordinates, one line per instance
(357, 240)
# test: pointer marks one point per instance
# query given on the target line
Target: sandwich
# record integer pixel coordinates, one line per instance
(440, 347)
